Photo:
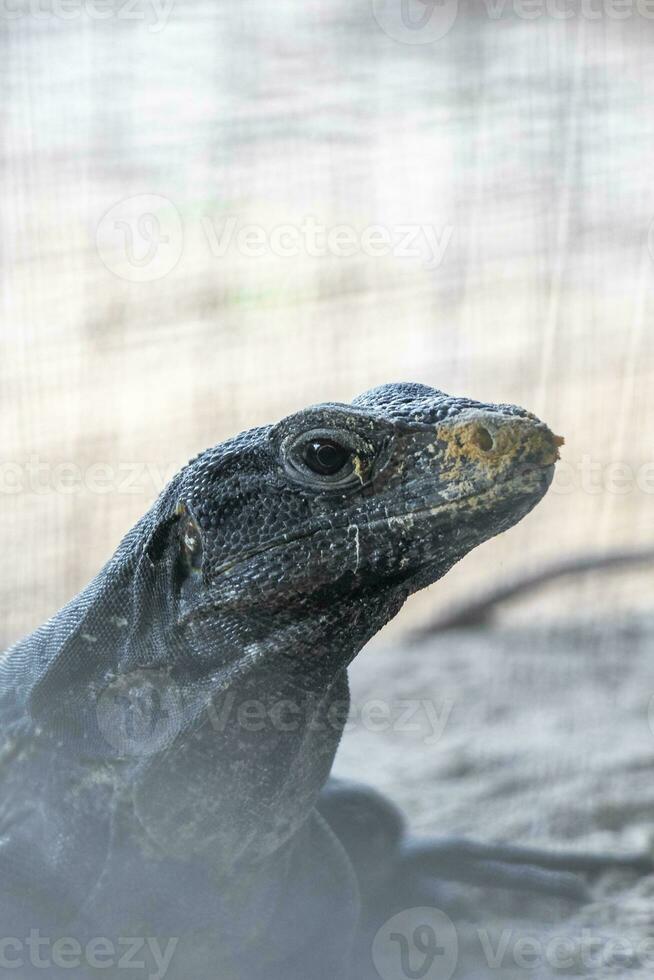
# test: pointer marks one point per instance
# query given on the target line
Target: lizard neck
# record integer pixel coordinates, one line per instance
(244, 775)
(259, 743)
(242, 779)
(221, 733)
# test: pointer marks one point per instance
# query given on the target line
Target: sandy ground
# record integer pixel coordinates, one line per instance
(522, 735)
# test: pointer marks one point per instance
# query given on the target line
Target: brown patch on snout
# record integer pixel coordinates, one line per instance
(496, 444)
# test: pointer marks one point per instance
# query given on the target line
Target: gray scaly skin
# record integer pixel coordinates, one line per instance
(167, 734)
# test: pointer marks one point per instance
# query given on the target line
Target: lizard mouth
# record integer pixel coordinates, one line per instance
(519, 494)
(500, 496)
(517, 486)
(504, 492)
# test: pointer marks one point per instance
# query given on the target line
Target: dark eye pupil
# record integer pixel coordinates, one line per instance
(326, 457)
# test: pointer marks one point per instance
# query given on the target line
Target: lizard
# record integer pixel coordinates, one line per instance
(168, 736)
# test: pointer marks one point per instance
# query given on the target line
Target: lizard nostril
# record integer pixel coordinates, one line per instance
(482, 438)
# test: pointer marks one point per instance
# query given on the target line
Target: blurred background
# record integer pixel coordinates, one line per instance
(214, 214)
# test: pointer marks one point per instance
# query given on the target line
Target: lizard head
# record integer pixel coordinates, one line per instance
(305, 536)
(380, 496)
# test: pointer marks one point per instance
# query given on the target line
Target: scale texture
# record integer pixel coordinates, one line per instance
(168, 736)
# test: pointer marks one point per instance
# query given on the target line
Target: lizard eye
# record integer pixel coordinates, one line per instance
(326, 457)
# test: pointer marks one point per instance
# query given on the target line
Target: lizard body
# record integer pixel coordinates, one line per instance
(167, 735)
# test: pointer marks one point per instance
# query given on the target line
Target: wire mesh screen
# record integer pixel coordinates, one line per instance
(214, 214)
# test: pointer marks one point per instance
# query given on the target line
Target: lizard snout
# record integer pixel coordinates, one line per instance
(494, 441)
